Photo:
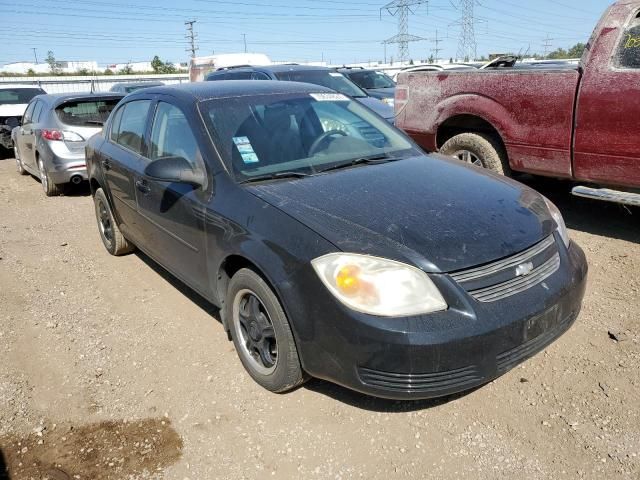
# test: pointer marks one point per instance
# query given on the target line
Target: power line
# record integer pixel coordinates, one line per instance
(547, 45)
(402, 8)
(191, 36)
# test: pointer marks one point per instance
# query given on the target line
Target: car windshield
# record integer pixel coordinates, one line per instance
(299, 134)
(82, 113)
(18, 96)
(325, 78)
(370, 79)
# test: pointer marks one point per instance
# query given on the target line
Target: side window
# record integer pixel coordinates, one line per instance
(171, 135)
(35, 117)
(132, 125)
(217, 76)
(628, 55)
(239, 76)
(115, 124)
(259, 76)
(28, 113)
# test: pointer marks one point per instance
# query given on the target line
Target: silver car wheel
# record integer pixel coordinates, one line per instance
(44, 180)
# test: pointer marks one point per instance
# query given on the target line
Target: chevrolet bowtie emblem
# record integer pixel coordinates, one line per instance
(524, 269)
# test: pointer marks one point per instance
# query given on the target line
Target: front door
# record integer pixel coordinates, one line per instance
(606, 148)
(26, 138)
(174, 212)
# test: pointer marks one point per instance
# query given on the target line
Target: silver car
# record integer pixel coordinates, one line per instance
(54, 130)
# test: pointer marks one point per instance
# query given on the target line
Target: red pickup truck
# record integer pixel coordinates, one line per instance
(577, 123)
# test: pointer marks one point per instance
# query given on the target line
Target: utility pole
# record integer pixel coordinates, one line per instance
(402, 9)
(35, 54)
(437, 41)
(467, 46)
(191, 36)
(385, 52)
(547, 45)
(244, 36)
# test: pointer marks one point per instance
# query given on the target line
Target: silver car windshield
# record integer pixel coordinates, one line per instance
(302, 134)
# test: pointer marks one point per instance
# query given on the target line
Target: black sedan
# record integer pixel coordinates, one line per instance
(334, 247)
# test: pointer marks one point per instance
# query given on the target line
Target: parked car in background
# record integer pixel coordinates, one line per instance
(13, 103)
(566, 122)
(199, 67)
(323, 76)
(333, 245)
(376, 84)
(54, 130)
(129, 87)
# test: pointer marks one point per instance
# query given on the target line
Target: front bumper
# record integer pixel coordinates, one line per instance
(438, 354)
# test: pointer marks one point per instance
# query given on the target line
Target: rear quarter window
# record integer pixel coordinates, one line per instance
(628, 54)
(86, 113)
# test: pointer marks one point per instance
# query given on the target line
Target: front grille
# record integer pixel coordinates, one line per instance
(502, 279)
(421, 382)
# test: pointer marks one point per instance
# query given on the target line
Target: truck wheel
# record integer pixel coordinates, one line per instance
(478, 149)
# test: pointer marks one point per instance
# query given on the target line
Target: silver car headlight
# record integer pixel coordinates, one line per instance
(378, 286)
(557, 216)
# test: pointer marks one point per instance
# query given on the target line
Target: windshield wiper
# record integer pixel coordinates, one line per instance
(372, 159)
(274, 176)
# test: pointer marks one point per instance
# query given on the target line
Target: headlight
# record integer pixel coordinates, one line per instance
(557, 216)
(378, 286)
(389, 101)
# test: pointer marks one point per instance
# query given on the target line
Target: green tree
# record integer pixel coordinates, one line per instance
(83, 72)
(108, 71)
(126, 70)
(51, 61)
(31, 72)
(577, 50)
(431, 59)
(162, 67)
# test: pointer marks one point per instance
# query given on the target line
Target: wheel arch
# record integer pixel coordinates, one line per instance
(466, 123)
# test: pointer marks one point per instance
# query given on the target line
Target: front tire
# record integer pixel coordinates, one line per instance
(50, 188)
(478, 149)
(261, 333)
(110, 234)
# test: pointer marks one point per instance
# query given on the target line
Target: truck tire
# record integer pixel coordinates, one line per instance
(478, 149)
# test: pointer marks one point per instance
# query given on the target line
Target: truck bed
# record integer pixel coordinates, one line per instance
(532, 108)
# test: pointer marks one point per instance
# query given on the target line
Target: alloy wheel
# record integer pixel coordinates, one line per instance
(44, 180)
(104, 222)
(468, 157)
(255, 332)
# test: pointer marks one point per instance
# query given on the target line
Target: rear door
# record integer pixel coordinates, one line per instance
(606, 147)
(121, 157)
(173, 213)
(26, 137)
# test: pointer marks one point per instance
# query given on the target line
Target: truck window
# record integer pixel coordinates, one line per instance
(628, 55)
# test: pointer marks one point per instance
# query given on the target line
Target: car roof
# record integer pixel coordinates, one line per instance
(8, 86)
(151, 83)
(356, 70)
(286, 67)
(200, 91)
(59, 98)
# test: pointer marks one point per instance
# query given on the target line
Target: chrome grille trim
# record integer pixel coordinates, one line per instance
(518, 284)
(479, 272)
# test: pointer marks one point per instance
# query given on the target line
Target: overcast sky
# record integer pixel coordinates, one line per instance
(116, 31)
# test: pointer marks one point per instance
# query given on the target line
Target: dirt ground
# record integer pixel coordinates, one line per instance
(111, 369)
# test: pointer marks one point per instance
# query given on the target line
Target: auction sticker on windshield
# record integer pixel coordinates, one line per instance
(329, 97)
(246, 150)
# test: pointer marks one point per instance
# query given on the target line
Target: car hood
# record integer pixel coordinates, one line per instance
(12, 110)
(382, 92)
(438, 214)
(378, 106)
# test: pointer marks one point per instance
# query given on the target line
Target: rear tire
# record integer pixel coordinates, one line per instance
(19, 166)
(50, 188)
(261, 333)
(479, 149)
(110, 234)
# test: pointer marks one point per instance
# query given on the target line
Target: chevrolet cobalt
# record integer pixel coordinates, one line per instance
(334, 247)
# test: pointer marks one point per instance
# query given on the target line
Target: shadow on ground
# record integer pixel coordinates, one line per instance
(591, 216)
(4, 472)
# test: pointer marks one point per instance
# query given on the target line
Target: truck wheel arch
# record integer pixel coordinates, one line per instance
(466, 123)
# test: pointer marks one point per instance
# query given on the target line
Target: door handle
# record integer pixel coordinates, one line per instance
(143, 186)
(106, 164)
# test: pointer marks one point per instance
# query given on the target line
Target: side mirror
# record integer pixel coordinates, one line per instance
(12, 122)
(174, 169)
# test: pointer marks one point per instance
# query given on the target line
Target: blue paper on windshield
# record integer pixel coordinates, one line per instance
(246, 150)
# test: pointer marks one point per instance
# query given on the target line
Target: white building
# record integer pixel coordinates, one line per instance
(62, 66)
(134, 66)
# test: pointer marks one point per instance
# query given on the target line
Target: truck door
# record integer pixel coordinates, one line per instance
(606, 148)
